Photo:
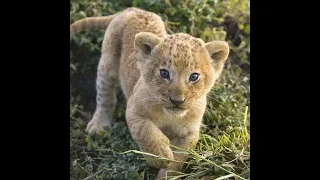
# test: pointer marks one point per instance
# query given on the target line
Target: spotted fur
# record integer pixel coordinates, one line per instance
(134, 50)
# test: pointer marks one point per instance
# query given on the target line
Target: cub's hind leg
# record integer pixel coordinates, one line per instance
(105, 103)
(107, 77)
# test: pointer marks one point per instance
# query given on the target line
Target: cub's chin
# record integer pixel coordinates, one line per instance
(175, 111)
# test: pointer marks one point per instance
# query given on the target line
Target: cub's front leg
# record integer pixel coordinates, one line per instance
(150, 140)
(187, 142)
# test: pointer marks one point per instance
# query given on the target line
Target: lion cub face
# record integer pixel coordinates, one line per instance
(179, 69)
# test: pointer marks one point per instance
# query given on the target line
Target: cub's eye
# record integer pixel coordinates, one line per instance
(194, 77)
(164, 74)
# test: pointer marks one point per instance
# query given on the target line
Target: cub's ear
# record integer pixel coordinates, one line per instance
(144, 42)
(218, 51)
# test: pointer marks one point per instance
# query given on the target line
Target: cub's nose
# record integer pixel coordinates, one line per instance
(177, 101)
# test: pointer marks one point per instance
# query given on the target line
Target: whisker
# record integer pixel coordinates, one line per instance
(210, 110)
(144, 99)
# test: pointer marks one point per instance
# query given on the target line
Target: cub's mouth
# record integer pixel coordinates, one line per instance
(175, 110)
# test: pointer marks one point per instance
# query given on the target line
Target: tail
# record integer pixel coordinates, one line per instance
(91, 23)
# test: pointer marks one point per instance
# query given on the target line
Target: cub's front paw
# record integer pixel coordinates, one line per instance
(94, 127)
(162, 150)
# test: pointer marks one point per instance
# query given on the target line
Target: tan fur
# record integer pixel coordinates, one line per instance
(91, 23)
(135, 48)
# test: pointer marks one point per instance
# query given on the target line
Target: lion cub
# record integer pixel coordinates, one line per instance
(165, 79)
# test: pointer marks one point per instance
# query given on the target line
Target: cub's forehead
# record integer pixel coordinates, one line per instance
(181, 42)
(182, 51)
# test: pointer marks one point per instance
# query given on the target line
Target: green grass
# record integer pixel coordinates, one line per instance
(223, 151)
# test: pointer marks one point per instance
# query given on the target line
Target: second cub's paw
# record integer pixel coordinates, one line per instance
(94, 127)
